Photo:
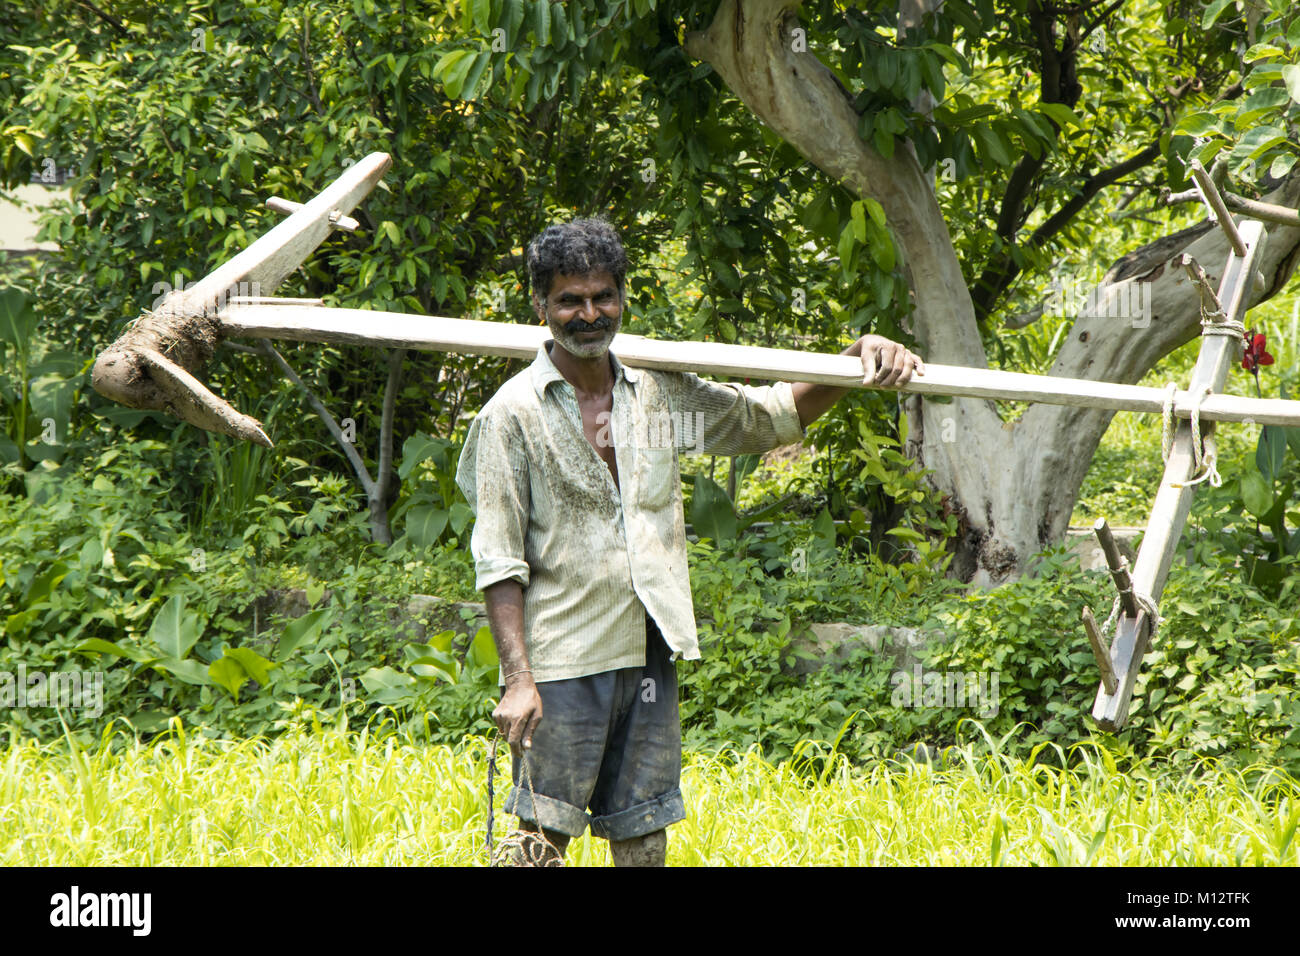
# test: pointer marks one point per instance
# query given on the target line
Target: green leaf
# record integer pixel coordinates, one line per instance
(99, 646)
(461, 514)
(192, 672)
(992, 145)
(1259, 104)
(1256, 494)
(875, 211)
(882, 250)
(1197, 124)
(475, 74)
(387, 686)
(1060, 114)
(512, 20)
(174, 631)
(17, 319)
(1262, 51)
(712, 513)
(858, 216)
(824, 530)
(457, 69)
(228, 673)
(844, 247)
(1291, 77)
(254, 664)
(1270, 452)
(448, 62)
(57, 363)
(44, 583)
(303, 630)
(1213, 12)
(483, 650)
(15, 624)
(1293, 439)
(422, 447)
(973, 113)
(542, 22)
(1281, 165)
(425, 525)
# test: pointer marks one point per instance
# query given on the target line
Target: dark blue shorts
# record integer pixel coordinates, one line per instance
(611, 743)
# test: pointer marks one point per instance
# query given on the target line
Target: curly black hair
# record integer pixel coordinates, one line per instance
(579, 247)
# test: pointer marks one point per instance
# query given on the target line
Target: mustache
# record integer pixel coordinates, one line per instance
(602, 324)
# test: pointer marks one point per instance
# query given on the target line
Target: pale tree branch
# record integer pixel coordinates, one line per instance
(1252, 208)
(349, 450)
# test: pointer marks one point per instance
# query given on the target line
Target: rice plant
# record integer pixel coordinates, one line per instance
(325, 796)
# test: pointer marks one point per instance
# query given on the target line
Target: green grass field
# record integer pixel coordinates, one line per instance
(324, 797)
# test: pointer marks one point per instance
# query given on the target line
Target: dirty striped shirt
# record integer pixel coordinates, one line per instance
(594, 559)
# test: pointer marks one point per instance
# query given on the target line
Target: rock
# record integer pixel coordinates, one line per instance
(425, 615)
(1083, 542)
(291, 603)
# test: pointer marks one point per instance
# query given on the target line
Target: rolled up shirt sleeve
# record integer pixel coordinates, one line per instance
(493, 474)
(727, 418)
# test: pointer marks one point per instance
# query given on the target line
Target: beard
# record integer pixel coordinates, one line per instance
(572, 339)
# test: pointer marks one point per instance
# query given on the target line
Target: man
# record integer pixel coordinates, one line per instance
(580, 547)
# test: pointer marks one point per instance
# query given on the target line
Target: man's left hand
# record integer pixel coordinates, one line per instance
(887, 364)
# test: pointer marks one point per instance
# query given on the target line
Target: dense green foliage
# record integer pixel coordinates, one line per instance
(140, 548)
(100, 572)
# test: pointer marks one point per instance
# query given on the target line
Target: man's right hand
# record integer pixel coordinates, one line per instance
(519, 713)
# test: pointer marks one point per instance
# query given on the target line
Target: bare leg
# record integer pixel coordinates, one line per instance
(535, 852)
(648, 850)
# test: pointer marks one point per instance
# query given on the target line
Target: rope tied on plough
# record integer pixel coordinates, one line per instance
(522, 847)
(1145, 602)
(1214, 321)
(1205, 452)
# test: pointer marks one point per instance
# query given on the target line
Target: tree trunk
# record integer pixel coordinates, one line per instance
(1012, 484)
(1015, 486)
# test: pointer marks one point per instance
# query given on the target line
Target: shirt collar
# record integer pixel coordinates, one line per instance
(545, 372)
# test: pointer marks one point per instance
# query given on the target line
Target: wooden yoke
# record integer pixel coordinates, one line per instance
(294, 321)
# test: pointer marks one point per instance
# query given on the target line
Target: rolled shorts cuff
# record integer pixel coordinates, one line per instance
(547, 812)
(641, 819)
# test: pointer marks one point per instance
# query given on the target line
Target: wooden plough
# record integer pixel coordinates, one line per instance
(153, 364)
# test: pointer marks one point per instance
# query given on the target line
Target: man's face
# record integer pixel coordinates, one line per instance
(584, 312)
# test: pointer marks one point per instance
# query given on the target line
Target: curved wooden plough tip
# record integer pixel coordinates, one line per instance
(154, 363)
(145, 379)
